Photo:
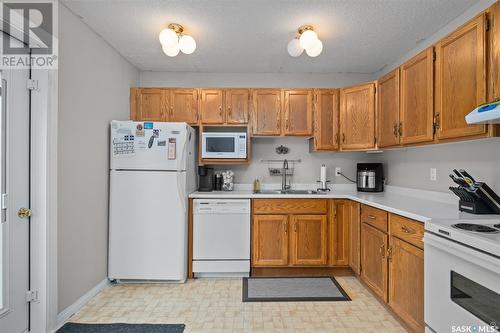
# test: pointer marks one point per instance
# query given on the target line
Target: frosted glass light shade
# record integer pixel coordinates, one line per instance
(187, 44)
(316, 49)
(307, 39)
(168, 38)
(171, 51)
(294, 48)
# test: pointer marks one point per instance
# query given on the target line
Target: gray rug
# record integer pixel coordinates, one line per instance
(292, 289)
(121, 328)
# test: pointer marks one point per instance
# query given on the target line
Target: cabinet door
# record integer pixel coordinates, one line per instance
(354, 235)
(357, 117)
(460, 79)
(388, 110)
(211, 106)
(266, 115)
(148, 104)
(406, 283)
(237, 106)
(417, 98)
(494, 60)
(184, 105)
(308, 240)
(270, 240)
(339, 233)
(374, 260)
(298, 111)
(326, 119)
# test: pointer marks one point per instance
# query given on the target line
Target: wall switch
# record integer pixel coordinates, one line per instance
(433, 174)
(338, 171)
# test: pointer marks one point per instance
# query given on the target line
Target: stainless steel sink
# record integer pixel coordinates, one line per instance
(288, 192)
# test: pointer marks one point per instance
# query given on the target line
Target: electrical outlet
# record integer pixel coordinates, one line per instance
(338, 171)
(433, 174)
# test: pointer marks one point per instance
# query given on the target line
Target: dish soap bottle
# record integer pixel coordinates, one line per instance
(256, 185)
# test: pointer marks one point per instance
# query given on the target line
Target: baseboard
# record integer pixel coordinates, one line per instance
(65, 314)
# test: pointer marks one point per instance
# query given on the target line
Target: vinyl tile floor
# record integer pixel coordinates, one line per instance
(214, 305)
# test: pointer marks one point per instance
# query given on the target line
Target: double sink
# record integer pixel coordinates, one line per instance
(289, 192)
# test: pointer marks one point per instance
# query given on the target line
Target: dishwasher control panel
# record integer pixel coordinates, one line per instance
(221, 206)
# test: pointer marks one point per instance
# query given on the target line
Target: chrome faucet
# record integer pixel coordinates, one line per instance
(284, 185)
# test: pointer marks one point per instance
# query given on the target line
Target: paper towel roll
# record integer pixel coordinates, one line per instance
(322, 175)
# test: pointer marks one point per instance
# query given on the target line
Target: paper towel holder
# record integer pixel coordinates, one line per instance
(324, 186)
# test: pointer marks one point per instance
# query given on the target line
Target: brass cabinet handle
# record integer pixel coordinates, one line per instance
(372, 217)
(343, 137)
(337, 138)
(285, 226)
(389, 253)
(382, 251)
(400, 129)
(24, 213)
(395, 131)
(407, 230)
(230, 113)
(436, 121)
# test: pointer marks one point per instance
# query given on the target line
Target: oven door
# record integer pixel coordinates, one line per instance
(219, 146)
(462, 287)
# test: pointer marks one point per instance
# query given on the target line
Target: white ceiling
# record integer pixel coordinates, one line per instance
(250, 36)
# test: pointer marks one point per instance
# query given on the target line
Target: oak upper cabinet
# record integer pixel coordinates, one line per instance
(298, 112)
(148, 104)
(494, 46)
(460, 84)
(183, 105)
(266, 112)
(339, 232)
(236, 101)
(308, 240)
(417, 99)
(374, 244)
(406, 283)
(270, 240)
(354, 236)
(326, 119)
(211, 106)
(388, 110)
(357, 117)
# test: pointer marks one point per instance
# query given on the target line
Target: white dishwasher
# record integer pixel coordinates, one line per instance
(221, 237)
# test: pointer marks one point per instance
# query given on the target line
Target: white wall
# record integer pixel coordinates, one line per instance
(250, 80)
(94, 82)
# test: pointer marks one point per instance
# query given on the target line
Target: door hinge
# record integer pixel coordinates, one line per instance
(32, 84)
(32, 296)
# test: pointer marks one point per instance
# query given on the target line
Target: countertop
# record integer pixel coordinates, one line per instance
(422, 206)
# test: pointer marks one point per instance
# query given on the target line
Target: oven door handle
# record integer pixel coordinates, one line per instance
(486, 261)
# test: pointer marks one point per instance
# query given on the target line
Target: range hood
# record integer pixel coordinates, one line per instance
(488, 113)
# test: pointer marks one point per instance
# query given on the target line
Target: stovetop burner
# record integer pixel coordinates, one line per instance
(497, 225)
(476, 228)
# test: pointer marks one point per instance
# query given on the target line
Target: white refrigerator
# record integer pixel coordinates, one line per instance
(152, 171)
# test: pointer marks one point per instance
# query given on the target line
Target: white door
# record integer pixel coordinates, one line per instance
(14, 183)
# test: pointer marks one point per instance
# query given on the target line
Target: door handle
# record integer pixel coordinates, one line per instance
(382, 251)
(24, 213)
(389, 254)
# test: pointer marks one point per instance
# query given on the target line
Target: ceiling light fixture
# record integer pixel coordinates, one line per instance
(306, 39)
(173, 40)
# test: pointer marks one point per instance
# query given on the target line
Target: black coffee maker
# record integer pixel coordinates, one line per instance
(370, 177)
(206, 179)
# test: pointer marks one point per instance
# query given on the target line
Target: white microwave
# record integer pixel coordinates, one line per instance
(224, 145)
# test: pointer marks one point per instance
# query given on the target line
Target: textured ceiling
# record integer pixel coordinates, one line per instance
(359, 36)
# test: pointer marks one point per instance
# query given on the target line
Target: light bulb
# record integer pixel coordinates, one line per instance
(171, 51)
(168, 37)
(316, 49)
(187, 44)
(307, 39)
(294, 48)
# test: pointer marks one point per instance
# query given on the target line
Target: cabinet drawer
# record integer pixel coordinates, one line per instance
(290, 206)
(408, 230)
(374, 217)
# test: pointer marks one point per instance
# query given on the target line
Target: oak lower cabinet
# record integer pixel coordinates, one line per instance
(339, 232)
(148, 104)
(270, 240)
(406, 282)
(460, 84)
(374, 244)
(289, 232)
(357, 117)
(326, 119)
(308, 240)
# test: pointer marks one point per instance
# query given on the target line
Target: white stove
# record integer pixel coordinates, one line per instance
(462, 275)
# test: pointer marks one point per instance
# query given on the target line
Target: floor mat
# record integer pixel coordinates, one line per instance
(121, 328)
(292, 289)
